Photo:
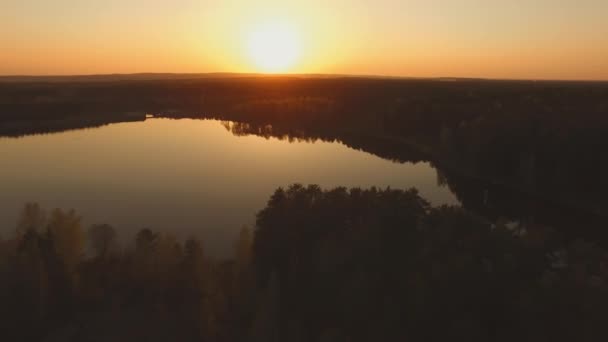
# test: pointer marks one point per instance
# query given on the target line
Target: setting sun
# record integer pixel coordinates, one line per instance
(274, 47)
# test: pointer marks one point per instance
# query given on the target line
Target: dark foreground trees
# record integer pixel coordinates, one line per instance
(156, 289)
(337, 265)
(381, 265)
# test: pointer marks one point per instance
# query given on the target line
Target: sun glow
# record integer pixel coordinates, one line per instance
(274, 47)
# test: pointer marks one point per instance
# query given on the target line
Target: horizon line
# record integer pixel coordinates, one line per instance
(311, 75)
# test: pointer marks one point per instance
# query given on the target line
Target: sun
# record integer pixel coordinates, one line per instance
(274, 47)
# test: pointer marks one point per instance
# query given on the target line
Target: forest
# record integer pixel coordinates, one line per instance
(523, 257)
(319, 265)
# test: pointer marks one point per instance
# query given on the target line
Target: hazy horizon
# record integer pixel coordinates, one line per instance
(229, 74)
(467, 39)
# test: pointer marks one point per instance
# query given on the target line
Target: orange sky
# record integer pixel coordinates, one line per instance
(540, 39)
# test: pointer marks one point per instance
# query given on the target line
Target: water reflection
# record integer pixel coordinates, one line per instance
(176, 174)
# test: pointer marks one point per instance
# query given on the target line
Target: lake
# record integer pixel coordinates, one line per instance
(184, 177)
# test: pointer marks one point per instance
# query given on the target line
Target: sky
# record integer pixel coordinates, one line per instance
(531, 39)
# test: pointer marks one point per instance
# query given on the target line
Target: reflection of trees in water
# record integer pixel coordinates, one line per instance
(266, 131)
(40, 127)
(338, 265)
(383, 147)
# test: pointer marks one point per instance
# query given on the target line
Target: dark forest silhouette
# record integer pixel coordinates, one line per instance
(320, 265)
(524, 258)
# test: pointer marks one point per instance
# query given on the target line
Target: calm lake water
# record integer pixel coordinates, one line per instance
(187, 177)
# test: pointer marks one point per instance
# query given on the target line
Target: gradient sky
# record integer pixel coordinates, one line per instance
(540, 39)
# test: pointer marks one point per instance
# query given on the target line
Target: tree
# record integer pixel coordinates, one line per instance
(242, 248)
(67, 236)
(144, 241)
(102, 238)
(32, 217)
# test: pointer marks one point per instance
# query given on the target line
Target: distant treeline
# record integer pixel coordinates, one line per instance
(320, 265)
(353, 98)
